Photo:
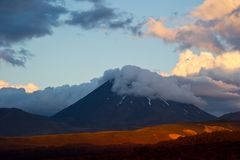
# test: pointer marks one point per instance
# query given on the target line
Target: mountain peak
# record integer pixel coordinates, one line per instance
(105, 109)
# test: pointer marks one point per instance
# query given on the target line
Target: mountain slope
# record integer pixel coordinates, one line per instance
(15, 122)
(231, 116)
(103, 109)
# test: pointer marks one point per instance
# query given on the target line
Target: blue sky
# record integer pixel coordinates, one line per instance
(72, 55)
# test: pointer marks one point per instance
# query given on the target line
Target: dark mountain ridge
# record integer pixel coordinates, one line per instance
(15, 122)
(235, 116)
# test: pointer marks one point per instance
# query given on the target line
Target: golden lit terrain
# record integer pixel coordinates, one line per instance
(148, 135)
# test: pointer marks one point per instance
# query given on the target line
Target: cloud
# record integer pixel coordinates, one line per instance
(28, 19)
(216, 29)
(214, 78)
(231, 77)
(29, 88)
(210, 59)
(192, 64)
(92, 1)
(132, 80)
(45, 102)
(101, 16)
(224, 67)
(24, 20)
(187, 37)
(207, 87)
(16, 58)
(215, 9)
(158, 28)
(221, 97)
(215, 96)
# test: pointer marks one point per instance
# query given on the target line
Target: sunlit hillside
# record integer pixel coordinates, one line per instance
(148, 135)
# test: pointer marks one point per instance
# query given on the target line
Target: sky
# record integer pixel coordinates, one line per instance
(61, 48)
(71, 55)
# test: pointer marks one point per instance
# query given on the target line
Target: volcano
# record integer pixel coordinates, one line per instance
(104, 109)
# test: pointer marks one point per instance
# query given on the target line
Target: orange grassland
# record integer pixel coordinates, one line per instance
(147, 135)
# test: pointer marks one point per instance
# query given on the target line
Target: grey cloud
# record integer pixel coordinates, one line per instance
(16, 58)
(205, 86)
(213, 96)
(231, 77)
(24, 20)
(221, 97)
(134, 80)
(96, 17)
(137, 29)
(129, 80)
(101, 16)
(93, 1)
(47, 101)
(27, 19)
